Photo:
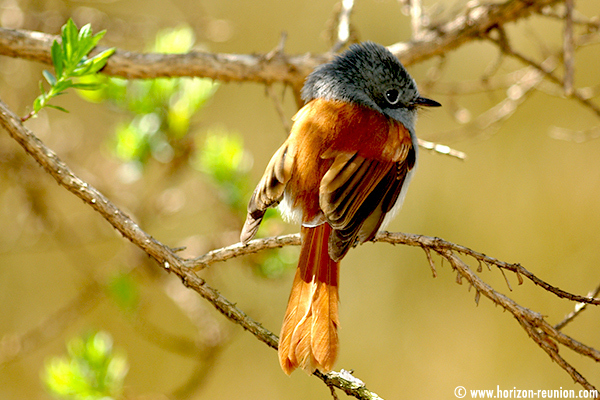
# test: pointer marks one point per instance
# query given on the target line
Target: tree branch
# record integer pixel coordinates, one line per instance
(547, 67)
(435, 40)
(474, 23)
(425, 242)
(533, 323)
(440, 245)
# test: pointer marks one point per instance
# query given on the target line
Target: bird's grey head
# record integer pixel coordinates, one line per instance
(370, 75)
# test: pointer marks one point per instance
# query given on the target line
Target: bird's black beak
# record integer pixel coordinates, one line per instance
(424, 102)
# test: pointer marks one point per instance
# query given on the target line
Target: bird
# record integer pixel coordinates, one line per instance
(342, 173)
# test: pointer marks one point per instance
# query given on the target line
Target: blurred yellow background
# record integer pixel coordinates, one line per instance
(520, 196)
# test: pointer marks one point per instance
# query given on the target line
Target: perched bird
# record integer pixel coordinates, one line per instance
(342, 173)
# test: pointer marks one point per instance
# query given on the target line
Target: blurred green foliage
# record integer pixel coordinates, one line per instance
(124, 290)
(162, 109)
(91, 370)
(225, 161)
(69, 58)
(161, 128)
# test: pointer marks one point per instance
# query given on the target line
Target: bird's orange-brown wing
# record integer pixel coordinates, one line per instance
(269, 191)
(353, 171)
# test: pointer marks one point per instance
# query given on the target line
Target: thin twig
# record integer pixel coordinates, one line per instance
(569, 48)
(547, 68)
(533, 323)
(579, 308)
(277, 102)
(348, 383)
(578, 18)
(416, 18)
(478, 19)
(441, 149)
(343, 30)
(477, 86)
(238, 249)
(577, 136)
(426, 242)
(437, 244)
(430, 261)
(489, 121)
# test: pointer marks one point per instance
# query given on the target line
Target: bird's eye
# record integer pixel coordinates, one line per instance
(392, 96)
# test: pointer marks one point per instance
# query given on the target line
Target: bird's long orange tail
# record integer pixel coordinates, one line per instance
(309, 337)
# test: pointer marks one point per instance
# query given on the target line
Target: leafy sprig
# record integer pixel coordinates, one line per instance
(92, 370)
(70, 60)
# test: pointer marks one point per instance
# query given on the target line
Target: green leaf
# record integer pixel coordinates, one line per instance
(69, 39)
(49, 77)
(94, 64)
(57, 58)
(61, 86)
(86, 42)
(57, 108)
(86, 86)
(97, 37)
(83, 68)
(100, 59)
(38, 103)
(85, 32)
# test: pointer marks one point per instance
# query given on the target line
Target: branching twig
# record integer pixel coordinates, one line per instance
(437, 244)
(547, 68)
(428, 242)
(533, 323)
(488, 121)
(434, 40)
(475, 23)
(343, 28)
(569, 48)
(579, 307)
(277, 103)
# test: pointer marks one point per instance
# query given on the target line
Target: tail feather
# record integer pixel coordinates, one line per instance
(309, 337)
